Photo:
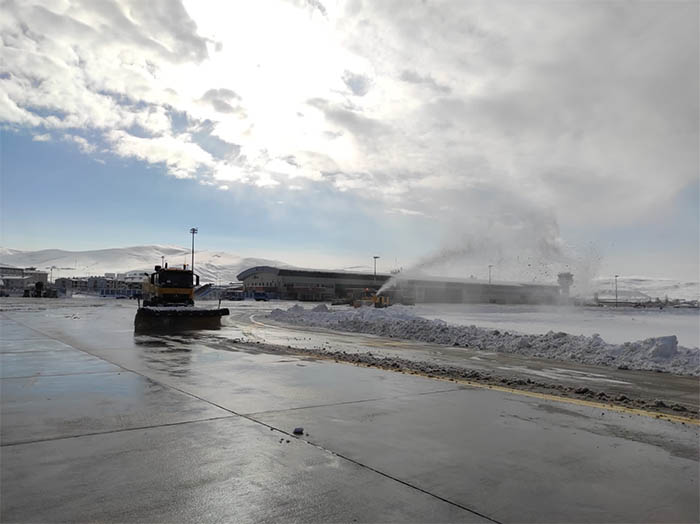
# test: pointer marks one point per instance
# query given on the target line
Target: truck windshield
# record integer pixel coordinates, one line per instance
(175, 279)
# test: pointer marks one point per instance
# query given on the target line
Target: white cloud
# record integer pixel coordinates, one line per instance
(83, 144)
(583, 112)
(230, 173)
(182, 157)
(10, 112)
(402, 211)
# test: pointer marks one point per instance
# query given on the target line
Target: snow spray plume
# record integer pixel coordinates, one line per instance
(520, 243)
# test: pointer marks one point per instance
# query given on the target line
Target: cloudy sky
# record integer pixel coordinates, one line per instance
(446, 136)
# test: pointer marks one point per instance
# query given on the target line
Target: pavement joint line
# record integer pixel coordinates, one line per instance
(255, 421)
(360, 401)
(377, 471)
(533, 394)
(31, 351)
(110, 431)
(24, 339)
(39, 375)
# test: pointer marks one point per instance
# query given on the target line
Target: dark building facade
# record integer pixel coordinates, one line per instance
(315, 285)
(312, 285)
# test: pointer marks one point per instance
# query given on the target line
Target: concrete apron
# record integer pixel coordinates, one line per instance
(112, 427)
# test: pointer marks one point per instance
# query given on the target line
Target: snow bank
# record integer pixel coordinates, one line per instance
(658, 353)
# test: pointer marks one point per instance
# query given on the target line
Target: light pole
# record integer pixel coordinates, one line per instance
(490, 266)
(616, 289)
(375, 257)
(194, 231)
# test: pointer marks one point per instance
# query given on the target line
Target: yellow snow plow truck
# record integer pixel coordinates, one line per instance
(168, 303)
(371, 298)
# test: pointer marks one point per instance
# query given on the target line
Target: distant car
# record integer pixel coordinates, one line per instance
(261, 296)
(120, 297)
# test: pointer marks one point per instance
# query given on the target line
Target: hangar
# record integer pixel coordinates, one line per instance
(319, 285)
(308, 284)
(471, 291)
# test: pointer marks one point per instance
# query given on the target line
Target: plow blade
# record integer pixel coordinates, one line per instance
(153, 319)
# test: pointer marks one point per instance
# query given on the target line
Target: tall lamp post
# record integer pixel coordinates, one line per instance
(490, 266)
(194, 231)
(375, 257)
(616, 289)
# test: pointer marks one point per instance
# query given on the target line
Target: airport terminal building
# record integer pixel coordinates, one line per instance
(317, 285)
(307, 284)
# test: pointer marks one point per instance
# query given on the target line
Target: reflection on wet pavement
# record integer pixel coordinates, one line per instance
(198, 426)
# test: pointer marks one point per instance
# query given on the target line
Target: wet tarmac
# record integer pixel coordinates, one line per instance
(645, 386)
(102, 425)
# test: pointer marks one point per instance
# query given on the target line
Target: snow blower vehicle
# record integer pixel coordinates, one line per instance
(371, 298)
(168, 303)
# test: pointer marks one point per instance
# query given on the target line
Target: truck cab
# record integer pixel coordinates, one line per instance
(170, 287)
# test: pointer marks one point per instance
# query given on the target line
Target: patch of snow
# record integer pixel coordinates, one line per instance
(655, 353)
(321, 308)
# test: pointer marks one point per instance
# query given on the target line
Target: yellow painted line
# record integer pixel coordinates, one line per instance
(581, 402)
(369, 342)
(546, 396)
(257, 322)
(382, 343)
(252, 319)
(531, 394)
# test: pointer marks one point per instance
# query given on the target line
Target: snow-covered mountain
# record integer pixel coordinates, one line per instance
(212, 266)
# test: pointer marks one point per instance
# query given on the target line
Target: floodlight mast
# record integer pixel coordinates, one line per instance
(194, 231)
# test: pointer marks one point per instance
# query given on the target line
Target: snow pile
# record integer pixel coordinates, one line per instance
(658, 353)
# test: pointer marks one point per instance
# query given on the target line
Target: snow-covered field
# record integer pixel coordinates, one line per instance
(662, 353)
(614, 325)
